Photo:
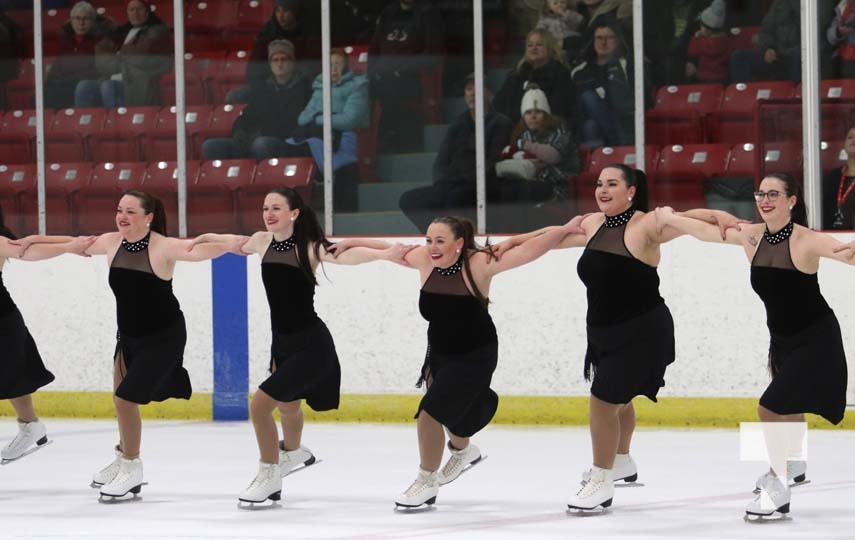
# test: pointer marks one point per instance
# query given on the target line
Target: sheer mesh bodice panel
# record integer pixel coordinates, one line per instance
(619, 286)
(145, 303)
(459, 322)
(290, 294)
(7, 305)
(792, 298)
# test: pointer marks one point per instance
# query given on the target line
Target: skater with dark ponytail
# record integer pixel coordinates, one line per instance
(455, 276)
(147, 362)
(807, 362)
(303, 362)
(629, 328)
(22, 370)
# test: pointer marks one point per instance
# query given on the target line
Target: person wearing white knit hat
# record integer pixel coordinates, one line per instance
(534, 99)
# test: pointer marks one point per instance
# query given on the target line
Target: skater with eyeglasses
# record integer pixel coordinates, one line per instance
(806, 358)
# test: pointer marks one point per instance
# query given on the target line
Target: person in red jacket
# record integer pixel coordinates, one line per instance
(709, 49)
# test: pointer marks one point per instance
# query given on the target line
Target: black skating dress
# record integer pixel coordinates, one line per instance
(22, 371)
(806, 355)
(152, 333)
(462, 354)
(302, 351)
(630, 330)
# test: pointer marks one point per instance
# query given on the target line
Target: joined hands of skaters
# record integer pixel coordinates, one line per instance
(574, 226)
(235, 243)
(844, 247)
(77, 245)
(722, 220)
(395, 253)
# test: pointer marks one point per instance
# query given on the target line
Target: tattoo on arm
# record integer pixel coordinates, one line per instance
(752, 240)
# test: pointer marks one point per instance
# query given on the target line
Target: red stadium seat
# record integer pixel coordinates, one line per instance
(122, 134)
(21, 89)
(735, 121)
(95, 203)
(357, 58)
(832, 155)
(680, 112)
(272, 173)
(222, 119)
(17, 135)
(252, 14)
(161, 140)
(209, 17)
(62, 182)
(233, 75)
(680, 171)
(743, 37)
(165, 12)
(778, 156)
(69, 131)
(194, 89)
(211, 203)
(14, 181)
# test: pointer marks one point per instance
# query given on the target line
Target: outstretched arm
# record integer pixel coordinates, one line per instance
(347, 243)
(831, 248)
(671, 224)
(182, 249)
(530, 250)
(574, 236)
(720, 218)
(55, 246)
(358, 255)
(245, 246)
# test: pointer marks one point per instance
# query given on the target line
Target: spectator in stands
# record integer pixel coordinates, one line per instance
(549, 155)
(130, 61)
(560, 18)
(9, 53)
(285, 23)
(778, 54)
(76, 60)
(453, 189)
(407, 41)
(543, 65)
(618, 13)
(838, 199)
(709, 49)
(350, 111)
(841, 37)
(669, 25)
(271, 115)
(352, 21)
(604, 91)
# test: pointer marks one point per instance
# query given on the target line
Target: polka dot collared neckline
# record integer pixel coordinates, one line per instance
(779, 236)
(285, 245)
(620, 219)
(137, 246)
(451, 270)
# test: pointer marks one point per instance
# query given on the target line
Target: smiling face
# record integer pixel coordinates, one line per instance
(131, 219)
(772, 201)
(613, 193)
(443, 248)
(277, 213)
(536, 52)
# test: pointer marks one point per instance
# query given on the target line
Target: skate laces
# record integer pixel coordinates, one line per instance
(264, 476)
(419, 484)
(457, 461)
(591, 486)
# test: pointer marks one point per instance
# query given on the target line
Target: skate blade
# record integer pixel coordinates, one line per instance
(792, 485)
(302, 467)
(466, 468)
(269, 503)
(629, 481)
(131, 496)
(27, 453)
(584, 512)
(427, 506)
(774, 517)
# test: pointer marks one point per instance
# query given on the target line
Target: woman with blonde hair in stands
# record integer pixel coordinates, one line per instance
(543, 65)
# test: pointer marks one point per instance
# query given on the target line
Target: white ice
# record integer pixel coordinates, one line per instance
(694, 486)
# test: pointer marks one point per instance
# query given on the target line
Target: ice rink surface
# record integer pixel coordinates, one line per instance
(694, 486)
